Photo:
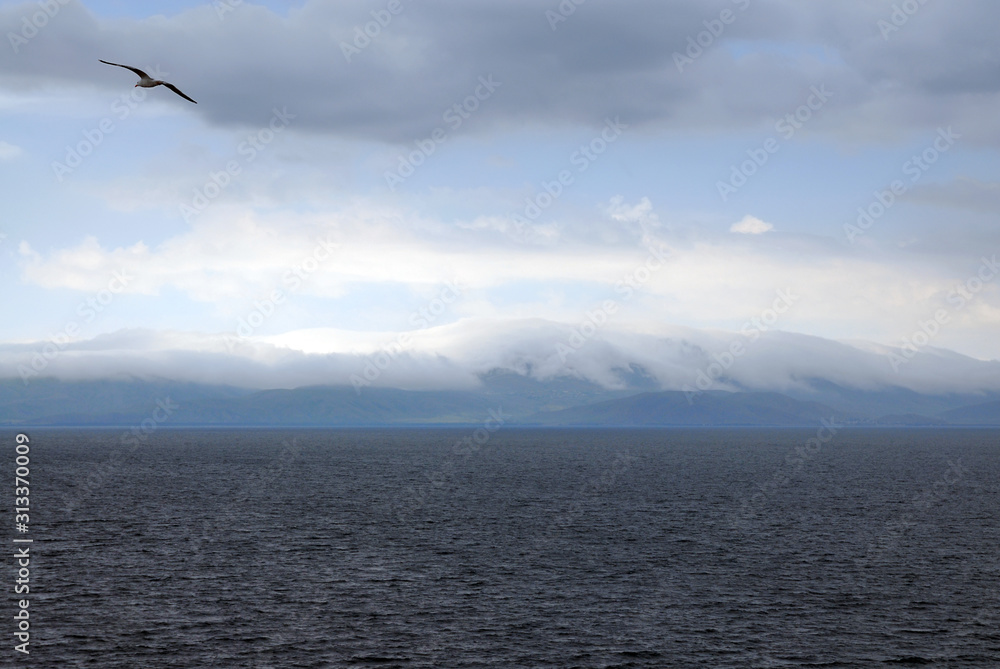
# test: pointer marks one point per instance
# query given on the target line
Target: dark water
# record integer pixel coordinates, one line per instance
(539, 549)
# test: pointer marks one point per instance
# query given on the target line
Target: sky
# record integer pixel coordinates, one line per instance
(407, 193)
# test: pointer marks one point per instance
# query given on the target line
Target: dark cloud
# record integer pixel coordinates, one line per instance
(605, 59)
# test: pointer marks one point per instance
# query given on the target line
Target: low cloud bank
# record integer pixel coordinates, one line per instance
(454, 356)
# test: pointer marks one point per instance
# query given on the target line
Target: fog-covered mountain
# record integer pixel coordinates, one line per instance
(456, 356)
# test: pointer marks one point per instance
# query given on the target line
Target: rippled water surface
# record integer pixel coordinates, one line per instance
(402, 548)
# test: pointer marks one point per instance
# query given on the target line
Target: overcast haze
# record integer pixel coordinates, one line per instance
(810, 189)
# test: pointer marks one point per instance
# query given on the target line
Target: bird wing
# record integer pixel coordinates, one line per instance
(176, 90)
(134, 69)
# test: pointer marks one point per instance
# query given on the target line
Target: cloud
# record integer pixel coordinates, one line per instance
(605, 60)
(751, 225)
(375, 264)
(620, 211)
(9, 151)
(453, 356)
(961, 193)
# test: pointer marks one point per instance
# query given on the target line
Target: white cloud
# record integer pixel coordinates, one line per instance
(9, 151)
(751, 225)
(233, 254)
(634, 213)
(452, 356)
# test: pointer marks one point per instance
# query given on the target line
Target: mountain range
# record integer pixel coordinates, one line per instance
(520, 399)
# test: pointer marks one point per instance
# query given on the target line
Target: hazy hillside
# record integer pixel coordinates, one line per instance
(705, 409)
(522, 400)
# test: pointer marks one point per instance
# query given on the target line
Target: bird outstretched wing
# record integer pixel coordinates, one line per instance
(177, 90)
(134, 69)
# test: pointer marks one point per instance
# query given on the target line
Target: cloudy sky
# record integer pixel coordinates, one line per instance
(527, 184)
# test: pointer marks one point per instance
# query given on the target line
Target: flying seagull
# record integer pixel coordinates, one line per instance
(146, 81)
